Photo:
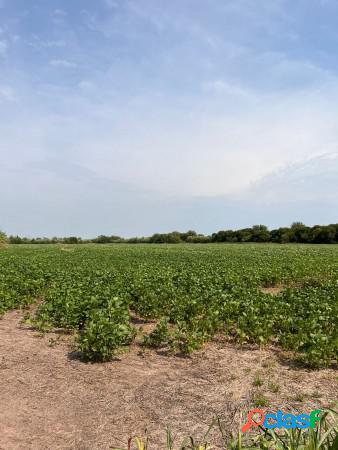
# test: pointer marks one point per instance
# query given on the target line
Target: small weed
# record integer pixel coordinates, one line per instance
(316, 394)
(269, 363)
(274, 387)
(257, 382)
(260, 400)
(299, 397)
(52, 342)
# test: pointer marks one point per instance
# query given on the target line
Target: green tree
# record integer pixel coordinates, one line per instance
(260, 233)
(244, 235)
(299, 232)
(3, 239)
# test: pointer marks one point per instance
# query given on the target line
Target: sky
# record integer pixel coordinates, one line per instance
(131, 117)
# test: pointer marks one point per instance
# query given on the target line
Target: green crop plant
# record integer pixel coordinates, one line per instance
(160, 336)
(192, 292)
(105, 332)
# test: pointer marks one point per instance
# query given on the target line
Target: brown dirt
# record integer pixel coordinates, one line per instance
(50, 400)
(275, 290)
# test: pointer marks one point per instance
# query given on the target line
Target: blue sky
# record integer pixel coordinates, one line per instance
(132, 117)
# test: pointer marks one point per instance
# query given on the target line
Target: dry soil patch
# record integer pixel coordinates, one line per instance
(51, 401)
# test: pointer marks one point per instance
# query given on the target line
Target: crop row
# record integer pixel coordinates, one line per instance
(189, 293)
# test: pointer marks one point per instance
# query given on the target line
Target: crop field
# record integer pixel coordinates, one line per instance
(283, 295)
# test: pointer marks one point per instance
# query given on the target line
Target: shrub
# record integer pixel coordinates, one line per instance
(105, 331)
(160, 335)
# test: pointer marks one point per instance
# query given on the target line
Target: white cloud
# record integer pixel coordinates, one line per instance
(86, 85)
(59, 17)
(54, 44)
(7, 94)
(39, 43)
(230, 89)
(111, 3)
(175, 102)
(59, 12)
(299, 71)
(62, 63)
(204, 148)
(3, 48)
(209, 145)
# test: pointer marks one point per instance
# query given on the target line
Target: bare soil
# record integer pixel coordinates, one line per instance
(273, 290)
(52, 400)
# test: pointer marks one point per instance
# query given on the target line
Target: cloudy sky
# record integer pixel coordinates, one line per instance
(135, 116)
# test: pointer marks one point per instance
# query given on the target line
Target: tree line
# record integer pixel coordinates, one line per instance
(296, 233)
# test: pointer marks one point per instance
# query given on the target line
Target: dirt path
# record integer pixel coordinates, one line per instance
(49, 401)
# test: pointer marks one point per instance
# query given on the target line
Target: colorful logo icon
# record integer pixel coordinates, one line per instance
(257, 417)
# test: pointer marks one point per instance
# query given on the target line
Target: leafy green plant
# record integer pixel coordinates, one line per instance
(160, 336)
(101, 338)
(193, 292)
(105, 332)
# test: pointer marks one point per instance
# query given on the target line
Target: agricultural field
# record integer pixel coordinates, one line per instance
(175, 335)
(184, 295)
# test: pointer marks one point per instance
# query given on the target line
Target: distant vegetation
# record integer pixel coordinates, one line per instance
(297, 233)
(3, 239)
